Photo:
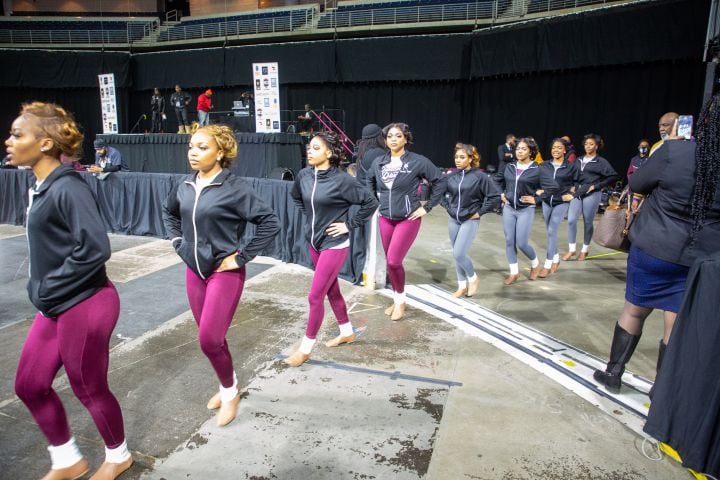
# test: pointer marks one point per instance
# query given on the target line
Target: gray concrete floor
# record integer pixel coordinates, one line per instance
(417, 398)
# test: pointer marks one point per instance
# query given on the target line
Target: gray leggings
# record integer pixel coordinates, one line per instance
(517, 225)
(553, 218)
(588, 207)
(461, 237)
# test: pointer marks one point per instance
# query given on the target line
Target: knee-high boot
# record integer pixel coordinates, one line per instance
(623, 346)
(661, 355)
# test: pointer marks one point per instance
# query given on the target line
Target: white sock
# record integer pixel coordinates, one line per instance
(548, 263)
(118, 454)
(585, 248)
(346, 329)
(473, 278)
(227, 394)
(65, 455)
(572, 246)
(306, 345)
(399, 298)
(534, 262)
(514, 269)
(556, 258)
(462, 284)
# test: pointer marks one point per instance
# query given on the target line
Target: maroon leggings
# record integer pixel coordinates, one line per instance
(79, 340)
(397, 237)
(327, 266)
(213, 302)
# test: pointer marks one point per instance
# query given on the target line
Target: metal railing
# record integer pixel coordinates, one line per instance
(308, 20)
(284, 22)
(134, 31)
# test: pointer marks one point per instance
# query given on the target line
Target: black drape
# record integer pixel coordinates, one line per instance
(685, 410)
(258, 154)
(610, 71)
(131, 203)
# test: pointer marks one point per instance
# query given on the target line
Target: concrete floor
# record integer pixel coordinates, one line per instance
(418, 398)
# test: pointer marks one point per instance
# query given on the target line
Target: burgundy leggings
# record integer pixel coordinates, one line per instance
(327, 266)
(79, 340)
(213, 302)
(397, 237)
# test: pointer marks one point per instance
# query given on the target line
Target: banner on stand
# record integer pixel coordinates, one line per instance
(108, 103)
(267, 97)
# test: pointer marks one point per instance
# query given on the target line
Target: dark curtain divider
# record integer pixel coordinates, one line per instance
(83, 103)
(131, 204)
(645, 32)
(62, 68)
(258, 154)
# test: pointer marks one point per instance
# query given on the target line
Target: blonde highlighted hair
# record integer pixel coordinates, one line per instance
(57, 124)
(470, 151)
(225, 139)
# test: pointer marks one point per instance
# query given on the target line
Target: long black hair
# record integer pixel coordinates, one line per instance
(707, 162)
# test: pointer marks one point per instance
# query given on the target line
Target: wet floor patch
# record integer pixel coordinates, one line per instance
(312, 422)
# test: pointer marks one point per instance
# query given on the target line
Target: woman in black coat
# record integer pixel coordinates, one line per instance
(679, 223)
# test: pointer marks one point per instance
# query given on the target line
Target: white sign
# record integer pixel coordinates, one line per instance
(267, 97)
(108, 103)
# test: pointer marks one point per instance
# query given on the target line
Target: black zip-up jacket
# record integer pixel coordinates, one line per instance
(325, 196)
(400, 201)
(468, 192)
(157, 104)
(206, 229)
(532, 179)
(182, 97)
(67, 243)
(566, 177)
(598, 172)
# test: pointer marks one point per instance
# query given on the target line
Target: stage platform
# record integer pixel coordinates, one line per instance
(260, 155)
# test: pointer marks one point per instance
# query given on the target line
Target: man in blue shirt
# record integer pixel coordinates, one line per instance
(107, 159)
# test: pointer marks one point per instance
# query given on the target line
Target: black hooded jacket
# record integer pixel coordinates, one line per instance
(468, 192)
(532, 179)
(207, 228)
(67, 243)
(398, 202)
(566, 177)
(325, 196)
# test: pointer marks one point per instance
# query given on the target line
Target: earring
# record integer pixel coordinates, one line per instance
(43, 149)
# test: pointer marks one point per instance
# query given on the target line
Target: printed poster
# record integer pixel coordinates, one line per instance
(108, 103)
(267, 97)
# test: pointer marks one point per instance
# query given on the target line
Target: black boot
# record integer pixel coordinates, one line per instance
(623, 346)
(661, 355)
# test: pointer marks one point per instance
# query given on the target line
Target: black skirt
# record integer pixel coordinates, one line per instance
(685, 411)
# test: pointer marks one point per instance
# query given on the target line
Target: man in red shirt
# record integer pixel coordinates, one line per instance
(204, 105)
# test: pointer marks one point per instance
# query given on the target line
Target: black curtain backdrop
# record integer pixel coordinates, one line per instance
(612, 72)
(131, 203)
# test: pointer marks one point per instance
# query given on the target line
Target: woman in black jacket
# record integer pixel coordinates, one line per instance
(395, 179)
(521, 183)
(596, 173)
(206, 215)
(678, 223)
(325, 194)
(369, 147)
(470, 194)
(79, 306)
(555, 205)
